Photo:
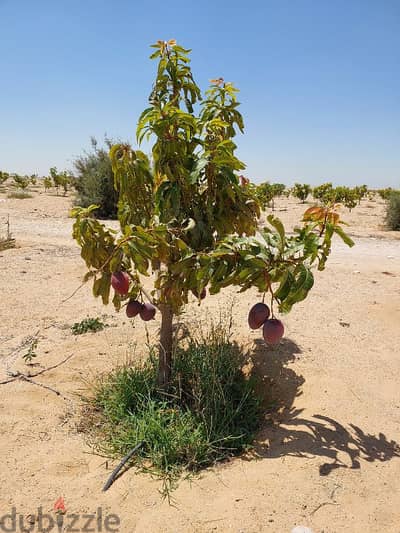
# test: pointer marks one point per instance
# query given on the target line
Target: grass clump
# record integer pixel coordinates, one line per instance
(393, 211)
(6, 243)
(210, 412)
(19, 195)
(88, 324)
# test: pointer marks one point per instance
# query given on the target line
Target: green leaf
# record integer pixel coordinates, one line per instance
(343, 235)
(277, 224)
(299, 289)
(199, 167)
(286, 284)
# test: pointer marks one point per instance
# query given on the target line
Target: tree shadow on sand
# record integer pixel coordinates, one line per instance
(286, 433)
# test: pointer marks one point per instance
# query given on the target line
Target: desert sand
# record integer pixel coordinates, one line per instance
(327, 458)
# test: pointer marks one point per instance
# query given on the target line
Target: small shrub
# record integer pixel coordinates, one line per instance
(393, 211)
(210, 413)
(88, 324)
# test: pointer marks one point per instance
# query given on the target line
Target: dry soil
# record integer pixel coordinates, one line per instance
(328, 458)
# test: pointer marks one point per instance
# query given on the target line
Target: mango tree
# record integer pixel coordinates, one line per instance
(21, 182)
(184, 217)
(301, 191)
(323, 192)
(266, 192)
(361, 192)
(348, 197)
(60, 179)
(47, 183)
(385, 193)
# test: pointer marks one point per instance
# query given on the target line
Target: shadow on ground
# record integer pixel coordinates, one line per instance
(287, 433)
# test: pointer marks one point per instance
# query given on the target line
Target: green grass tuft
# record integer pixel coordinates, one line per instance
(210, 412)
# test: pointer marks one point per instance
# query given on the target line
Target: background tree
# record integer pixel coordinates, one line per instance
(48, 183)
(361, 191)
(278, 189)
(3, 177)
(349, 197)
(60, 179)
(263, 193)
(323, 192)
(301, 191)
(385, 193)
(329, 195)
(21, 182)
(393, 210)
(184, 215)
(94, 180)
(266, 192)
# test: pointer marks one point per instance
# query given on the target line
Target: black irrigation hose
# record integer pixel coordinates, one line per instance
(117, 469)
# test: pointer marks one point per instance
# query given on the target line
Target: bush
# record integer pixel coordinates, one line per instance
(209, 414)
(393, 211)
(94, 181)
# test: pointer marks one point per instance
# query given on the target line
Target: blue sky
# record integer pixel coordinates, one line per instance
(319, 80)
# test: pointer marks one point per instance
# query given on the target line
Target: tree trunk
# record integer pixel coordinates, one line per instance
(165, 352)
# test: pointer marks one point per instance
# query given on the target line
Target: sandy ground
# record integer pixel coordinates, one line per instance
(328, 460)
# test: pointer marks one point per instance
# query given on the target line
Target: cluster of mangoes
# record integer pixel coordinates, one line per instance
(120, 283)
(273, 329)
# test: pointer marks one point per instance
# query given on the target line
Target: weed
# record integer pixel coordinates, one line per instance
(88, 324)
(31, 353)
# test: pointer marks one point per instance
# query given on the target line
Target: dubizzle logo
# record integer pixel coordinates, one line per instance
(59, 521)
